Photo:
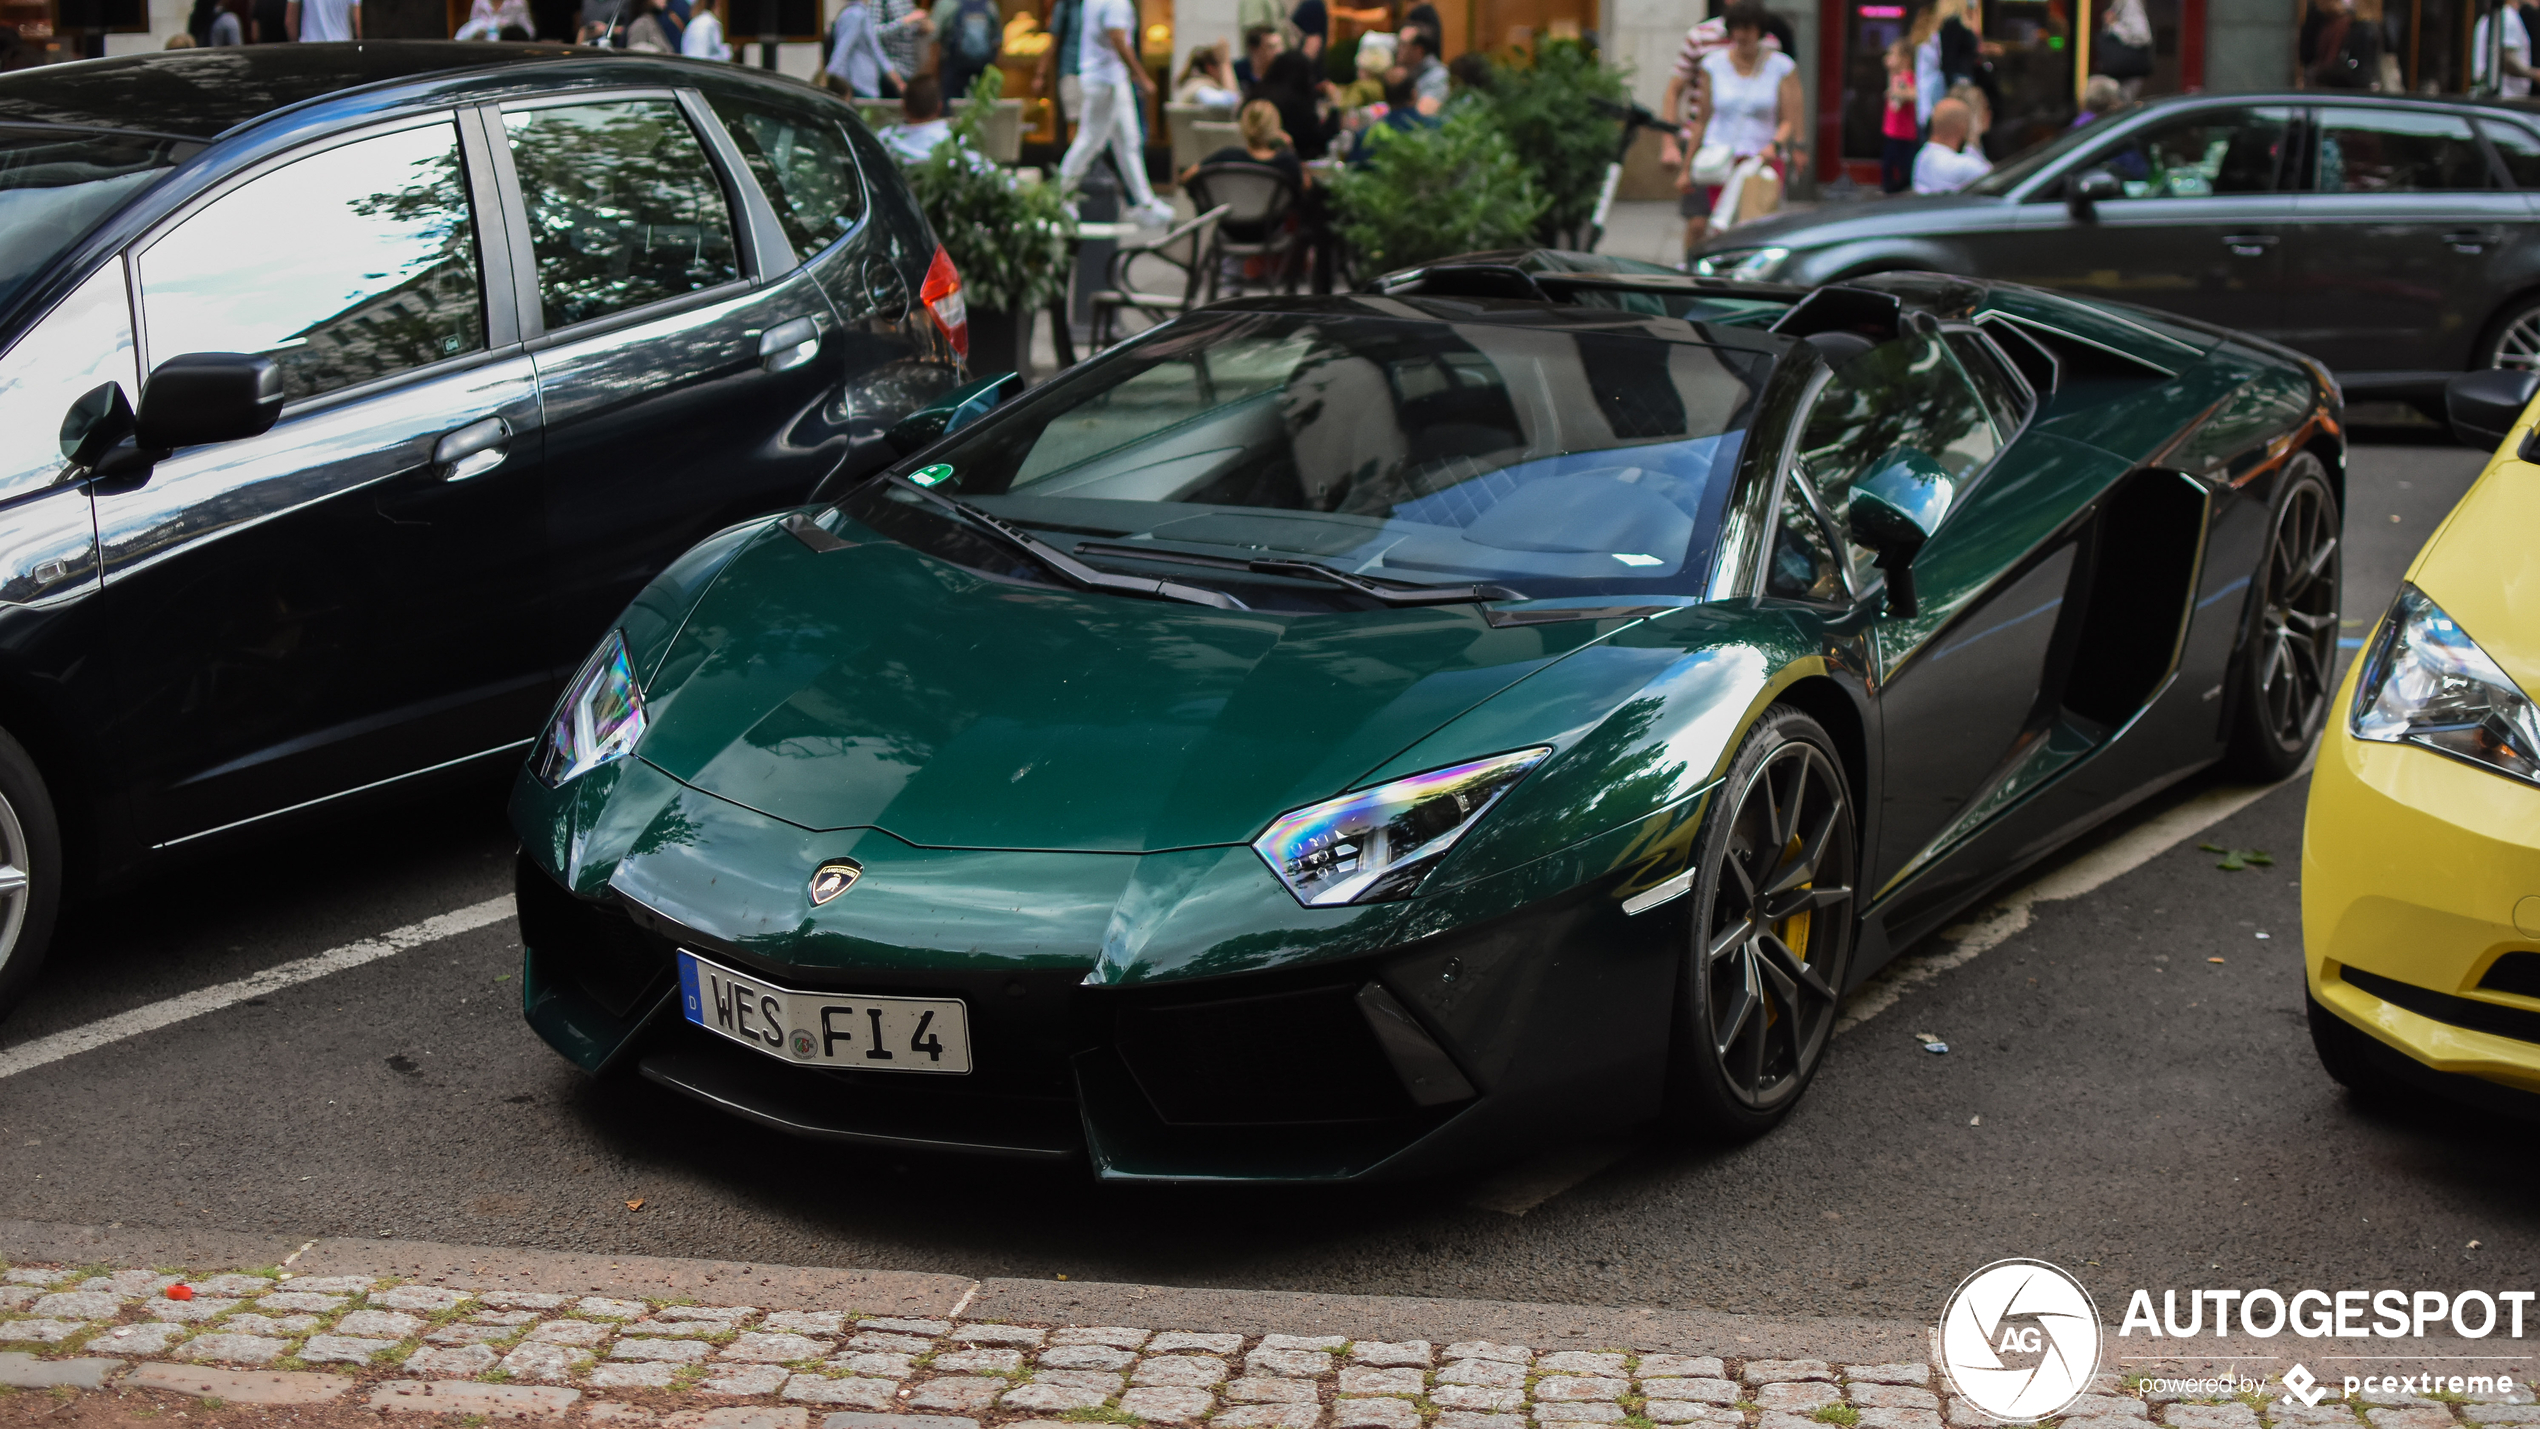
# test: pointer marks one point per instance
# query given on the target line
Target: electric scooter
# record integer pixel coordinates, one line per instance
(1635, 118)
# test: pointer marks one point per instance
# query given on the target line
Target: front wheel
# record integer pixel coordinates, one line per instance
(1778, 862)
(30, 871)
(2289, 670)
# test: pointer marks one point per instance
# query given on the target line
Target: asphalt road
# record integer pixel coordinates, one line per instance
(2112, 1101)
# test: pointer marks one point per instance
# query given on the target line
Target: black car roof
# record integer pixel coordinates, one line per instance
(203, 93)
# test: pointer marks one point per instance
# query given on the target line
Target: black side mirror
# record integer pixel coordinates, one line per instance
(2084, 191)
(951, 412)
(1893, 511)
(209, 397)
(2485, 405)
(96, 424)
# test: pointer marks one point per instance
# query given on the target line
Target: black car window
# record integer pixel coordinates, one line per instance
(1562, 461)
(2005, 394)
(2200, 154)
(56, 186)
(624, 208)
(1803, 565)
(85, 340)
(2381, 151)
(804, 165)
(1907, 392)
(377, 274)
(2518, 147)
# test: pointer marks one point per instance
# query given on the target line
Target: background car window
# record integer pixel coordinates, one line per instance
(54, 187)
(624, 210)
(2199, 155)
(2518, 147)
(344, 266)
(1905, 393)
(1803, 566)
(85, 340)
(2376, 151)
(805, 167)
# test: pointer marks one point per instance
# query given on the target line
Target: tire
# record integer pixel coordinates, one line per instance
(1771, 933)
(2288, 667)
(2512, 339)
(31, 873)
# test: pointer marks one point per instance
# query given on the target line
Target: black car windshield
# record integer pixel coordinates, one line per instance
(57, 184)
(1554, 458)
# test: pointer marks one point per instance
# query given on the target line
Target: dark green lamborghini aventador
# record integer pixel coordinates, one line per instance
(1340, 737)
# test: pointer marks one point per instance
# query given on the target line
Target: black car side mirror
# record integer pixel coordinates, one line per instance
(951, 412)
(1893, 511)
(190, 400)
(2485, 405)
(2084, 191)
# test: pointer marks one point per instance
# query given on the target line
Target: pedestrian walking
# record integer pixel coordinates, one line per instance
(2500, 62)
(968, 34)
(268, 23)
(857, 65)
(1055, 78)
(1115, 84)
(704, 40)
(1747, 105)
(229, 27)
(904, 27)
(1897, 125)
(319, 20)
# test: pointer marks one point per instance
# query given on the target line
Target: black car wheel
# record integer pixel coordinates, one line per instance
(30, 870)
(2289, 670)
(2513, 339)
(1772, 930)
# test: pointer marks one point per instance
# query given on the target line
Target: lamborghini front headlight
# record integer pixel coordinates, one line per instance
(1379, 843)
(601, 719)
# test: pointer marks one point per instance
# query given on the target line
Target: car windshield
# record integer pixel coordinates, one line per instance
(2020, 167)
(1555, 458)
(57, 184)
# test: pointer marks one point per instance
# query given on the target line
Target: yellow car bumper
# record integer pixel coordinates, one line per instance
(2415, 871)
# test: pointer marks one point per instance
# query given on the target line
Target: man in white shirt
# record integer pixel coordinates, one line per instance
(1114, 85)
(703, 39)
(323, 19)
(2515, 83)
(1949, 163)
(922, 123)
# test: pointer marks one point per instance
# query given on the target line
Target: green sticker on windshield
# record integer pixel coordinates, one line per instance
(929, 475)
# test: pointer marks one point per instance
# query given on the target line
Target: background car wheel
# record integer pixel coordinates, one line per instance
(2289, 672)
(30, 871)
(1772, 931)
(2513, 339)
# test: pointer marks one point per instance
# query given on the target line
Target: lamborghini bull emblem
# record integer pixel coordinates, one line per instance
(833, 878)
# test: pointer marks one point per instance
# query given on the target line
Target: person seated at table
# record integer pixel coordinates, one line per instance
(1375, 56)
(922, 123)
(1950, 161)
(1264, 141)
(1207, 80)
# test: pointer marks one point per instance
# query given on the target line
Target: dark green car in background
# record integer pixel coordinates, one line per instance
(1356, 736)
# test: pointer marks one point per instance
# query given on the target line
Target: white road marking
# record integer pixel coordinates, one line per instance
(1961, 944)
(45, 1050)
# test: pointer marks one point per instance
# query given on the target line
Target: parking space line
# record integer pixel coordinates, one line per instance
(1960, 945)
(150, 1018)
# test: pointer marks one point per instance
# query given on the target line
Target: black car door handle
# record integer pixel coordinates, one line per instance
(2249, 245)
(473, 450)
(2471, 240)
(789, 345)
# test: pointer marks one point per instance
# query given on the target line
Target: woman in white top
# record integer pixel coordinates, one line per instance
(703, 39)
(1746, 98)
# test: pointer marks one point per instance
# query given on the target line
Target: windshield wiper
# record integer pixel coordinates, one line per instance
(1314, 570)
(1067, 567)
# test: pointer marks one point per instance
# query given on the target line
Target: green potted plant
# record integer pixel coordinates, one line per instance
(1012, 240)
(1434, 191)
(1546, 103)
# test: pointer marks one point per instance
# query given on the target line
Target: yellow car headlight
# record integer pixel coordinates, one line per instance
(2425, 682)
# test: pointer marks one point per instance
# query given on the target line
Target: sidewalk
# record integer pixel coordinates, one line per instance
(337, 1327)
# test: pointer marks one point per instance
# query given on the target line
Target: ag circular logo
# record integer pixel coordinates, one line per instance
(2020, 1340)
(803, 1043)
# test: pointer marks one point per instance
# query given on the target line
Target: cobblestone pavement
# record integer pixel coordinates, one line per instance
(270, 1338)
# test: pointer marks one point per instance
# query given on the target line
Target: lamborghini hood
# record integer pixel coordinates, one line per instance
(877, 687)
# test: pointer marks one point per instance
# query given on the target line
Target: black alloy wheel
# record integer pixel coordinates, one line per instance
(31, 875)
(1772, 930)
(2291, 663)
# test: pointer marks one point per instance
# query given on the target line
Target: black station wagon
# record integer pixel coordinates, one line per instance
(348, 390)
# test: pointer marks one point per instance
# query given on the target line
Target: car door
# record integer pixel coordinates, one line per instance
(684, 360)
(2200, 225)
(342, 600)
(2395, 261)
(1957, 682)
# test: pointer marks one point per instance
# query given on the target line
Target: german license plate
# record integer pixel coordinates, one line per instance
(823, 1029)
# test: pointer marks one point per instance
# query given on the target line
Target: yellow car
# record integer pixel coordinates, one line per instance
(2421, 856)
